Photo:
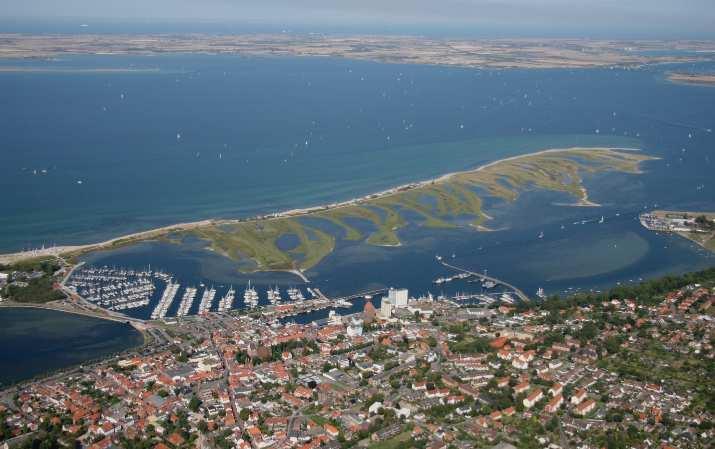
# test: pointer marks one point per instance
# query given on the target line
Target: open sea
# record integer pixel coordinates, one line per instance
(92, 154)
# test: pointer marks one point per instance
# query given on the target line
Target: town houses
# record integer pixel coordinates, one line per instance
(456, 376)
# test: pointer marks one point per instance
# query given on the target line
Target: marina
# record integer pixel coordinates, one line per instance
(274, 295)
(124, 290)
(186, 301)
(207, 300)
(226, 302)
(165, 302)
(295, 295)
(116, 288)
(506, 296)
(250, 296)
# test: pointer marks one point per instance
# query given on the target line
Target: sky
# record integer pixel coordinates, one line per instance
(584, 18)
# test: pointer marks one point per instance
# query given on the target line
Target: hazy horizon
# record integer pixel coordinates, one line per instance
(651, 19)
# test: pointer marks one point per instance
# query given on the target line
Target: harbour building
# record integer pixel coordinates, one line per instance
(395, 299)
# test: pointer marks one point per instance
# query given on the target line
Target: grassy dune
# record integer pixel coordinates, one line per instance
(257, 241)
(436, 204)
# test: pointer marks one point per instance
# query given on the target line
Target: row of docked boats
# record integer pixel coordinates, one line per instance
(250, 296)
(225, 303)
(186, 301)
(207, 300)
(451, 278)
(165, 301)
(123, 289)
(116, 288)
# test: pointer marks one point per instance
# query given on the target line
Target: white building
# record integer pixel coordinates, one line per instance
(398, 297)
(334, 318)
(385, 308)
(374, 408)
(355, 327)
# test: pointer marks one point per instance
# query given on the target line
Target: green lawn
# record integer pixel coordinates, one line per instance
(398, 442)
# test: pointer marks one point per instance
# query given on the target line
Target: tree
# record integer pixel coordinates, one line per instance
(5, 431)
(613, 345)
(431, 341)
(241, 356)
(587, 333)
(702, 222)
(194, 404)
(553, 424)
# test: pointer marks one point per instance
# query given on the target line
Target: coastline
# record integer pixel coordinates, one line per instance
(71, 251)
(136, 324)
(691, 79)
(703, 239)
(503, 53)
(68, 70)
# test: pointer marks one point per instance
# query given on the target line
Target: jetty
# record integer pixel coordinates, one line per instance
(373, 292)
(520, 294)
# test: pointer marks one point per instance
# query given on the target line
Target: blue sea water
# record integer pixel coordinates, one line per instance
(226, 136)
(35, 341)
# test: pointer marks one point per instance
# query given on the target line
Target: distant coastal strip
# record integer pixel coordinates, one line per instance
(483, 53)
(70, 70)
(436, 203)
(695, 79)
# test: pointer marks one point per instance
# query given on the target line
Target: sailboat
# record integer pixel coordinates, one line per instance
(226, 303)
(250, 296)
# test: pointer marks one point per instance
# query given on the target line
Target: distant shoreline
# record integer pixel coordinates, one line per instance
(150, 234)
(692, 79)
(475, 53)
(70, 70)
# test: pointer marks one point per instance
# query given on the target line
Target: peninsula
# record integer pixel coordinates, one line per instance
(495, 53)
(438, 203)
